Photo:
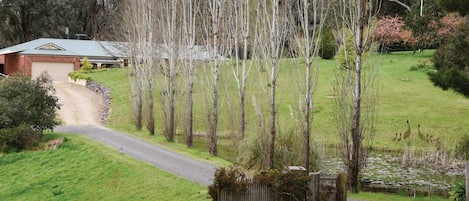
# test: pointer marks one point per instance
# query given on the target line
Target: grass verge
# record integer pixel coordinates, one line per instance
(82, 169)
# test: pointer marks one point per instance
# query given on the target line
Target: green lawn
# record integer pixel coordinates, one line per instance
(403, 94)
(82, 169)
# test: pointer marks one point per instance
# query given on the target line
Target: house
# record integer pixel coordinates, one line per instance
(58, 57)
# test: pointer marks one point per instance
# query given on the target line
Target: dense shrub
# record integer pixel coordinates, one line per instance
(451, 62)
(230, 178)
(75, 75)
(347, 54)
(82, 74)
(458, 192)
(328, 45)
(27, 107)
(86, 66)
(18, 138)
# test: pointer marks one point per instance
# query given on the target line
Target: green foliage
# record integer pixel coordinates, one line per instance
(424, 28)
(82, 169)
(28, 102)
(462, 148)
(85, 69)
(18, 138)
(75, 75)
(347, 54)
(460, 6)
(451, 62)
(230, 178)
(80, 16)
(86, 66)
(458, 192)
(26, 108)
(328, 45)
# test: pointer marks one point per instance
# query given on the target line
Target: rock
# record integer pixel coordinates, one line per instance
(105, 93)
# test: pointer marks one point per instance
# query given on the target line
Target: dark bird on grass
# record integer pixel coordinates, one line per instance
(421, 136)
(429, 138)
(407, 132)
(395, 138)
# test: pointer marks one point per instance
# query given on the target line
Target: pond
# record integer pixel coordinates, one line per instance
(421, 172)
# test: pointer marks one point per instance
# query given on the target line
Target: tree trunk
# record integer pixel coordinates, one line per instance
(150, 112)
(170, 93)
(189, 115)
(242, 115)
(307, 120)
(139, 111)
(214, 122)
(357, 94)
(273, 114)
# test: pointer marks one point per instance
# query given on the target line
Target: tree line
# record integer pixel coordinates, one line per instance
(164, 36)
(25, 20)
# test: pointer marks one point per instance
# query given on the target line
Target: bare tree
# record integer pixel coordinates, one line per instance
(311, 16)
(355, 87)
(168, 20)
(273, 30)
(189, 31)
(214, 28)
(139, 34)
(241, 22)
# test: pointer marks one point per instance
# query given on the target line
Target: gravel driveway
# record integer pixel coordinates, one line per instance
(80, 112)
(79, 105)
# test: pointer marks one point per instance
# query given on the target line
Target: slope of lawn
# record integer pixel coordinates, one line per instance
(403, 95)
(82, 169)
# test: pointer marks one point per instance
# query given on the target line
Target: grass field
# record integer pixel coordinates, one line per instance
(82, 169)
(403, 95)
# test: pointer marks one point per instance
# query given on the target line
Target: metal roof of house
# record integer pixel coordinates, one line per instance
(67, 47)
(97, 49)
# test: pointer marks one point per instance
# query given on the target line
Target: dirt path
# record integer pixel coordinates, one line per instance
(79, 105)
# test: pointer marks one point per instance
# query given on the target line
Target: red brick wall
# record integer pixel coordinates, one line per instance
(2, 59)
(23, 63)
(14, 63)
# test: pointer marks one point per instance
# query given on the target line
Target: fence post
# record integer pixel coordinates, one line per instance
(467, 181)
(313, 193)
(341, 186)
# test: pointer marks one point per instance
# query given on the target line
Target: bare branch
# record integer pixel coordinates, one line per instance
(402, 4)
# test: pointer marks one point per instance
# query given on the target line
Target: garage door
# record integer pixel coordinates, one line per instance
(58, 71)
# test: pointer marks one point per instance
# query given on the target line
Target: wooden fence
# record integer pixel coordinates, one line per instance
(319, 189)
(255, 192)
